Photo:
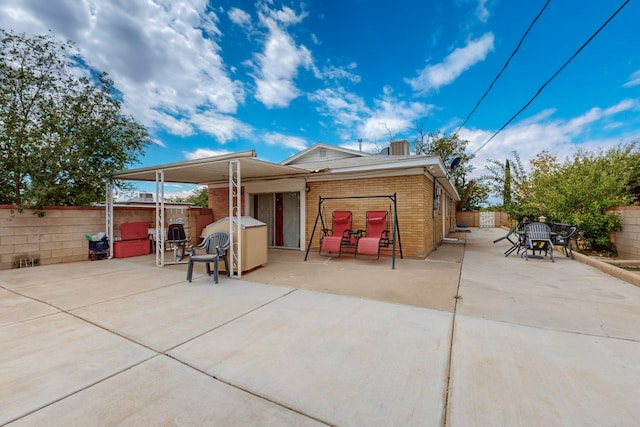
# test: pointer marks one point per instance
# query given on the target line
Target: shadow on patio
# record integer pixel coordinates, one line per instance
(429, 283)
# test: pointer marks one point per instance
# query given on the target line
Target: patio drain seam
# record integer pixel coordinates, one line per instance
(564, 331)
(212, 376)
(229, 321)
(451, 338)
(82, 319)
(81, 389)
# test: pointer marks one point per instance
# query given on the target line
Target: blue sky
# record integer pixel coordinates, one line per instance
(212, 77)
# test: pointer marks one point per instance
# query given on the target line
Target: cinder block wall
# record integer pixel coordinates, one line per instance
(472, 218)
(468, 218)
(627, 241)
(59, 235)
(414, 200)
(56, 237)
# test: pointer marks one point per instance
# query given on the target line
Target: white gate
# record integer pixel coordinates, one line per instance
(487, 220)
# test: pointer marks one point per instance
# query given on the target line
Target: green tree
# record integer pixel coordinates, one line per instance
(473, 193)
(62, 133)
(579, 190)
(198, 197)
(506, 192)
(509, 176)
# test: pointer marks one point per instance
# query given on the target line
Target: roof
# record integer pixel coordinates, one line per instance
(322, 152)
(211, 169)
(215, 170)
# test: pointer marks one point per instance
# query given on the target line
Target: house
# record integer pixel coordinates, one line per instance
(286, 196)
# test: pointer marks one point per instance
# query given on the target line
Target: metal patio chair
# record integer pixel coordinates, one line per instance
(340, 235)
(562, 237)
(513, 238)
(376, 235)
(537, 237)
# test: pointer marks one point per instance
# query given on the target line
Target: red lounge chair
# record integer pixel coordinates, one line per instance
(377, 235)
(340, 235)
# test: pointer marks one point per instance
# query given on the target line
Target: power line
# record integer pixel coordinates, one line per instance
(552, 77)
(504, 67)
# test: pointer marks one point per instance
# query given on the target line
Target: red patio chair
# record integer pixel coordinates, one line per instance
(338, 236)
(376, 235)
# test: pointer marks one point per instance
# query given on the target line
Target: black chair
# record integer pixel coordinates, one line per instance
(537, 237)
(562, 237)
(512, 237)
(178, 240)
(215, 246)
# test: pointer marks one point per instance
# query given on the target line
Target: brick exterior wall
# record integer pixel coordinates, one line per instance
(59, 235)
(414, 201)
(219, 202)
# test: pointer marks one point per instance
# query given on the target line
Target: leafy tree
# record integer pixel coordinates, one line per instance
(62, 133)
(579, 190)
(198, 197)
(509, 176)
(506, 192)
(473, 193)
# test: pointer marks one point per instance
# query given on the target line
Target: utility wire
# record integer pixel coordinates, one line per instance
(552, 77)
(504, 67)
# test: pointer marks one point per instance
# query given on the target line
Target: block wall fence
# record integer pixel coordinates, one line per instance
(59, 235)
(627, 241)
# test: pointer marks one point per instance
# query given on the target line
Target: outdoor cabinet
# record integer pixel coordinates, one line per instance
(254, 240)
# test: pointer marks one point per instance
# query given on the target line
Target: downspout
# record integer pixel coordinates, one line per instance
(434, 213)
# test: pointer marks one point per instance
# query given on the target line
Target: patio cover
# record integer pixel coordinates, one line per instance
(211, 170)
(231, 168)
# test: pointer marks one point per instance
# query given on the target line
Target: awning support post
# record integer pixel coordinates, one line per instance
(235, 216)
(108, 226)
(159, 237)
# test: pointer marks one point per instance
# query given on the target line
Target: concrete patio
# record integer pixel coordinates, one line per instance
(466, 337)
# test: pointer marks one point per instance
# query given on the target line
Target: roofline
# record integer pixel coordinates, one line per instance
(323, 145)
(188, 163)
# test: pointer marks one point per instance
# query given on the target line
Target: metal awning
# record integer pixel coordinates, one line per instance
(211, 170)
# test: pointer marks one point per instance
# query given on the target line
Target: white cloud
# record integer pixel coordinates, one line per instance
(388, 118)
(202, 153)
(344, 108)
(432, 77)
(543, 132)
(333, 73)
(634, 79)
(482, 12)
(163, 56)
(222, 126)
(277, 66)
(239, 17)
(285, 141)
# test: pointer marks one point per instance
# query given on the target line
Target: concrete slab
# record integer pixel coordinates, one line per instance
(92, 288)
(511, 375)
(16, 308)
(55, 273)
(341, 360)
(49, 358)
(164, 318)
(430, 283)
(566, 295)
(162, 391)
